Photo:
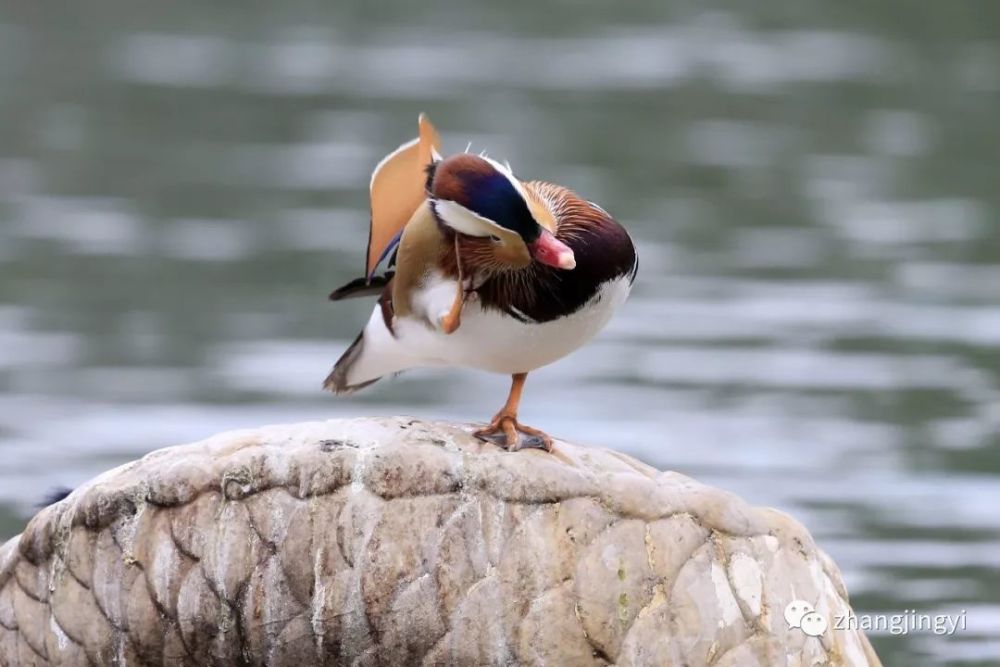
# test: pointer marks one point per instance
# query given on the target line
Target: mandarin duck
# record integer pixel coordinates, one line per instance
(484, 271)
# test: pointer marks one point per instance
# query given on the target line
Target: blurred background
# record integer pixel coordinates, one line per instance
(813, 188)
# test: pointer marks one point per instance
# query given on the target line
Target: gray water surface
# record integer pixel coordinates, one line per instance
(813, 189)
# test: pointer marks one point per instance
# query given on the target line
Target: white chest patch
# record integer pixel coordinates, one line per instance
(435, 297)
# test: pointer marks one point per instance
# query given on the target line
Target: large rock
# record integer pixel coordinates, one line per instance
(395, 541)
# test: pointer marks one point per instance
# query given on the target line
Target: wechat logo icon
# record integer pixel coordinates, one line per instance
(800, 614)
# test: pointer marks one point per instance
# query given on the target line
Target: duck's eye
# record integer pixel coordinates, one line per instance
(495, 239)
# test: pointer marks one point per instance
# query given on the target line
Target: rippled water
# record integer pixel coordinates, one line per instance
(813, 189)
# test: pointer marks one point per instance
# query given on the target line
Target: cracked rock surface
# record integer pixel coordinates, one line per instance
(400, 542)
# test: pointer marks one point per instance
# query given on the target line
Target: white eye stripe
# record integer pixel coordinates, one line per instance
(464, 221)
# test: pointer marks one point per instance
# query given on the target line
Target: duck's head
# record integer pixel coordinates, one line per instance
(478, 197)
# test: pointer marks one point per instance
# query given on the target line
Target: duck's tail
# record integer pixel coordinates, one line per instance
(340, 381)
(374, 353)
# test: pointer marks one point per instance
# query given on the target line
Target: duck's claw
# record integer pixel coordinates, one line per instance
(506, 431)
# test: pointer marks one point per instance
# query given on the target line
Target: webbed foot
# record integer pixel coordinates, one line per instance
(504, 430)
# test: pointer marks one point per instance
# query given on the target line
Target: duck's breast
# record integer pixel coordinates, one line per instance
(492, 340)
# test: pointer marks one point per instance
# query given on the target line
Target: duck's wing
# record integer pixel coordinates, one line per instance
(397, 191)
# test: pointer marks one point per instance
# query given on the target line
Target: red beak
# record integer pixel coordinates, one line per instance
(549, 250)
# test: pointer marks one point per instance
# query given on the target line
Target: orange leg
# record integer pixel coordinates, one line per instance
(453, 318)
(505, 421)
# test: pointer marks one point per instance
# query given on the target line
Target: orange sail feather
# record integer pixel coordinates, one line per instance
(397, 190)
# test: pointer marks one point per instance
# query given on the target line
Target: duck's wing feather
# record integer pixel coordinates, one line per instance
(362, 287)
(397, 190)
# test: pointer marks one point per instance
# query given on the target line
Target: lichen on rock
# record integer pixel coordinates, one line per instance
(395, 542)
